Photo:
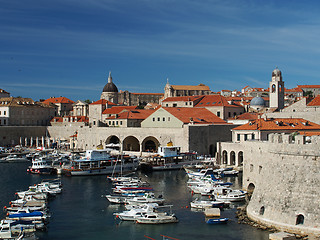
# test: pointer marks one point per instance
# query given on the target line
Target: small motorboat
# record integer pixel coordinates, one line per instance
(202, 204)
(157, 218)
(217, 220)
(146, 198)
(133, 213)
(15, 158)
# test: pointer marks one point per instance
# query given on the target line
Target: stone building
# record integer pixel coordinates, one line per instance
(64, 105)
(95, 111)
(24, 112)
(185, 90)
(80, 108)
(313, 89)
(276, 90)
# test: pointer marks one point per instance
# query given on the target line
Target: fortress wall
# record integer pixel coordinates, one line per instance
(10, 135)
(287, 183)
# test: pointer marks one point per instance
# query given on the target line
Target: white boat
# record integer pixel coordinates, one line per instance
(15, 158)
(232, 196)
(133, 213)
(100, 162)
(28, 201)
(168, 158)
(157, 218)
(27, 208)
(41, 165)
(10, 229)
(202, 204)
(37, 195)
(146, 198)
(200, 173)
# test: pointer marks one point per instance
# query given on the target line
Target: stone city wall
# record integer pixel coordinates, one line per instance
(285, 176)
(10, 135)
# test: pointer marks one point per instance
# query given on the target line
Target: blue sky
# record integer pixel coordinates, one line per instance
(67, 47)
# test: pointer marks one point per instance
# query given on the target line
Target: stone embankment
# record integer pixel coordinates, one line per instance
(242, 216)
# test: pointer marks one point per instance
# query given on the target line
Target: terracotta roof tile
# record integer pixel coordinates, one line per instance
(103, 102)
(58, 100)
(294, 124)
(214, 100)
(247, 116)
(315, 101)
(198, 115)
(118, 109)
(309, 86)
(133, 114)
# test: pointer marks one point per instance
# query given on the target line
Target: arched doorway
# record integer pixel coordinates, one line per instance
(150, 144)
(224, 157)
(232, 158)
(250, 190)
(240, 158)
(300, 219)
(131, 143)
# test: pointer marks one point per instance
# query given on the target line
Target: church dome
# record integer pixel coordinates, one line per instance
(110, 86)
(258, 101)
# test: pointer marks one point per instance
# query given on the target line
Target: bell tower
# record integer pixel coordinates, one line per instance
(276, 90)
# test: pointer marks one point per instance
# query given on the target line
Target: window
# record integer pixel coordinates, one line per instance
(153, 119)
(117, 123)
(109, 122)
(251, 167)
(168, 119)
(174, 105)
(164, 119)
(253, 136)
(300, 219)
(229, 114)
(158, 119)
(94, 122)
(120, 122)
(261, 210)
(186, 103)
(246, 137)
(167, 105)
(238, 137)
(218, 114)
(4, 112)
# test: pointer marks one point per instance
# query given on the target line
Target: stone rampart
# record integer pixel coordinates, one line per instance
(10, 135)
(284, 174)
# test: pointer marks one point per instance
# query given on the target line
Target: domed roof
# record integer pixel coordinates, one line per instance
(276, 72)
(258, 101)
(110, 86)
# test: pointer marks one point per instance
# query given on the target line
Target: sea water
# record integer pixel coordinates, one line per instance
(81, 211)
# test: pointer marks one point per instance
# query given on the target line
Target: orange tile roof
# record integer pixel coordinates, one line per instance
(133, 114)
(118, 109)
(198, 115)
(102, 102)
(247, 116)
(214, 100)
(183, 98)
(309, 86)
(58, 100)
(309, 133)
(294, 124)
(200, 87)
(314, 102)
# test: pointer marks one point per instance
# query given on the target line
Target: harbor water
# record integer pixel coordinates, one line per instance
(83, 212)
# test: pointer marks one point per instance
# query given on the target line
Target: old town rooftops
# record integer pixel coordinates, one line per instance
(132, 114)
(183, 99)
(103, 102)
(20, 102)
(118, 109)
(58, 100)
(214, 100)
(70, 119)
(194, 115)
(315, 102)
(298, 124)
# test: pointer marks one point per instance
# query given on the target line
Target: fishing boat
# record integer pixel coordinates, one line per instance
(10, 229)
(100, 162)
(168, 158)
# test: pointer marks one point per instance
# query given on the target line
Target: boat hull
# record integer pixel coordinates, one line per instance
(101, 171)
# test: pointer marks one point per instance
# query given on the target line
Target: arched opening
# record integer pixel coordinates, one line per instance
(250, 190)
(150, 144)
(261, 212)
(273, 88)
(232, 158)
(212, 150)
(240, 158)
(300, 219)
(113, 142)
(224, 157)
(131, 144)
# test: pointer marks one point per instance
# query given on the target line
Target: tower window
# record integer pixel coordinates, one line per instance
(273, 88)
